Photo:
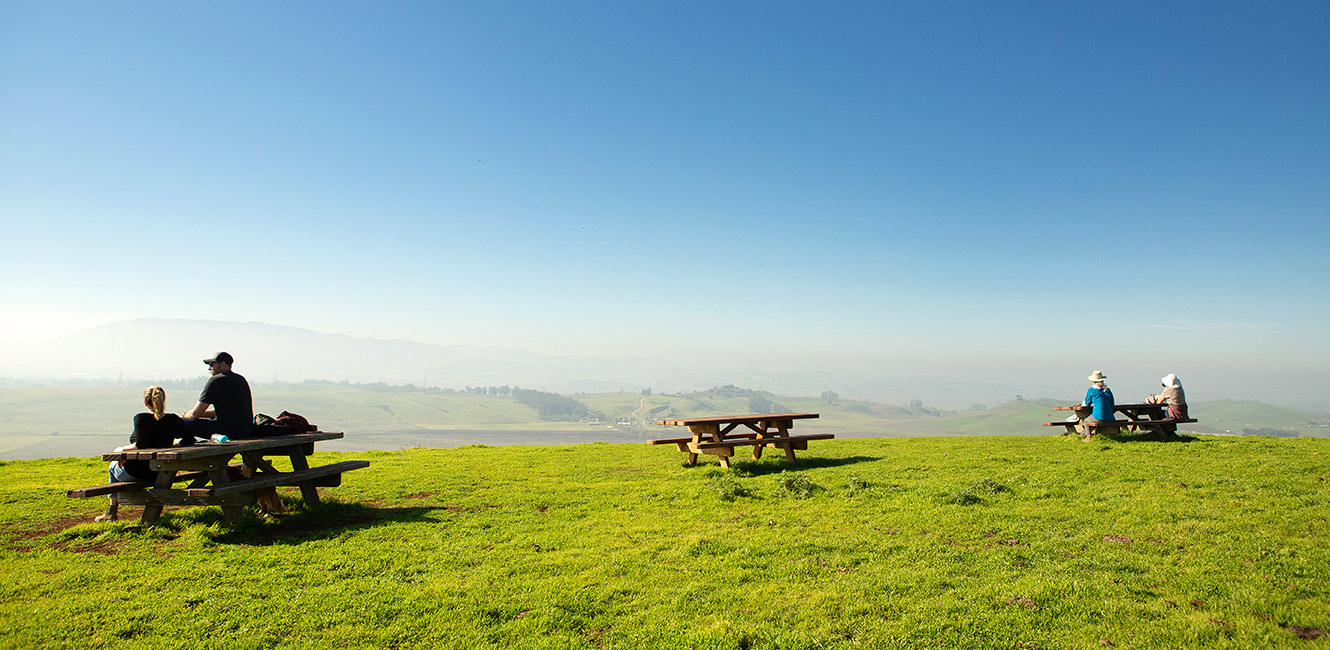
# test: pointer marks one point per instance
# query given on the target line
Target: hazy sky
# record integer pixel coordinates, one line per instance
(1006, 186)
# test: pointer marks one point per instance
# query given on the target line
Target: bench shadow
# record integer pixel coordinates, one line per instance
(749, 467)
(327, 520)
(1149, 437)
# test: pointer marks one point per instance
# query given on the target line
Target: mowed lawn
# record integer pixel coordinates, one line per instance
(996, 542)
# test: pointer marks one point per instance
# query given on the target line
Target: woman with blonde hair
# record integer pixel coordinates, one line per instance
(156, 428)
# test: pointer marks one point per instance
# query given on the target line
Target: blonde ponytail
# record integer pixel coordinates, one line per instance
(155, 398)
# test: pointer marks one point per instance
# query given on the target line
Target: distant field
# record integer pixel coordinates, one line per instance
(957, 542)
(53, 422)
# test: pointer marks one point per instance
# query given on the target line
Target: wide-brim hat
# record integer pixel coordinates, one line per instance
(1170, 381)
(1097, 376)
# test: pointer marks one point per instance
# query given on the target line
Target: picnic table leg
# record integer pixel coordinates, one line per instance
(154, 510)
(220, 478)
(309, 492)
(692, 458)
(783, 431)
(256, 462)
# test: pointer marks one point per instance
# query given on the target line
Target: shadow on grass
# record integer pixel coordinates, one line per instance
(748, 468)
(1125, 436)
(327, 520)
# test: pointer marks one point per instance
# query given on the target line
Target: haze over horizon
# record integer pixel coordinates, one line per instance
(1010, 194)
(164, 349)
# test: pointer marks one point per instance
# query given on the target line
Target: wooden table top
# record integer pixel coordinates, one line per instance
(1116, 407)
(210, 449)
(726, 419)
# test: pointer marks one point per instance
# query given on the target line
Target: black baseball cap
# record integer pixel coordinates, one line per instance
(220, 356)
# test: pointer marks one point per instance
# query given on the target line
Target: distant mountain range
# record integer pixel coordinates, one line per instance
(174, 349)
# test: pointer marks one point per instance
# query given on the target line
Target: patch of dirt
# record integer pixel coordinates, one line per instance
(108, 547)
(542, 509)
(1197, 603)
(596, 636)
(1117, 539)
(1221, 623)
(421, 495)
(1023, 602)
(1305, 632)
(44, 528)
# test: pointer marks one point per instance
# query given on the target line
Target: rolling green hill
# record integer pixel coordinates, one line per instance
(958, 542)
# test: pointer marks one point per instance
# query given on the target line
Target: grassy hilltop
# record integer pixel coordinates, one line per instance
(964, 542)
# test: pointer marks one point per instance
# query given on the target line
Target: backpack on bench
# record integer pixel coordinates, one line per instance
(285, 424)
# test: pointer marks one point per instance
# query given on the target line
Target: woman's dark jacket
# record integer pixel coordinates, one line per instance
(151, 433)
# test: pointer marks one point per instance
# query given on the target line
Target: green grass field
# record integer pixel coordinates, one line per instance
(943, 542)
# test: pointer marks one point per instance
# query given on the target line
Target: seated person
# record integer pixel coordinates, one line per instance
(1100, 400)
(151, 430)
(1176, 400)
(225, 406)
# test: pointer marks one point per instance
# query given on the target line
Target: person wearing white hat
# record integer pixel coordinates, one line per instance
(1100, 400)
(1176, 400)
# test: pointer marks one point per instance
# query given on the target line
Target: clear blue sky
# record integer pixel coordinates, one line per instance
(956, 187)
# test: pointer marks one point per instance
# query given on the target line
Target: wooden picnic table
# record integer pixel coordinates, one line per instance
(204, 466)
(1144, 416)
(718, 437)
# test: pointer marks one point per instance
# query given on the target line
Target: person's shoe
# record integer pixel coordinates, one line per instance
(109, 515)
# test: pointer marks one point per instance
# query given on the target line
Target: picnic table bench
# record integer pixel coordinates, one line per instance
(1140, 417)
(716, 436)
(203, 466)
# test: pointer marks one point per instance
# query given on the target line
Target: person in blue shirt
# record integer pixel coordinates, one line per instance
(1100, 400)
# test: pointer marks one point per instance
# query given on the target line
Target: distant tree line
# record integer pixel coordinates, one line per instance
(380, 387)
(551, 406)
(1274, 433)
(729, 391)
(194, 384)
(488, 390)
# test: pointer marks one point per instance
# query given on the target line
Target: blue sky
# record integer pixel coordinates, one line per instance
(1022, 188)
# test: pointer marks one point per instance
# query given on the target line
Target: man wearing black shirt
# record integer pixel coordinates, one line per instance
(225, 405)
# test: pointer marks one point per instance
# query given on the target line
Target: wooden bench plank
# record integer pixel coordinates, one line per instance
(1124, 423)
(725, 419)
(206, 449)
(176, 497)
(112, 488)
(672, 441)
(773, 441)
(280, 479)
(108, 488)
(706, 437)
